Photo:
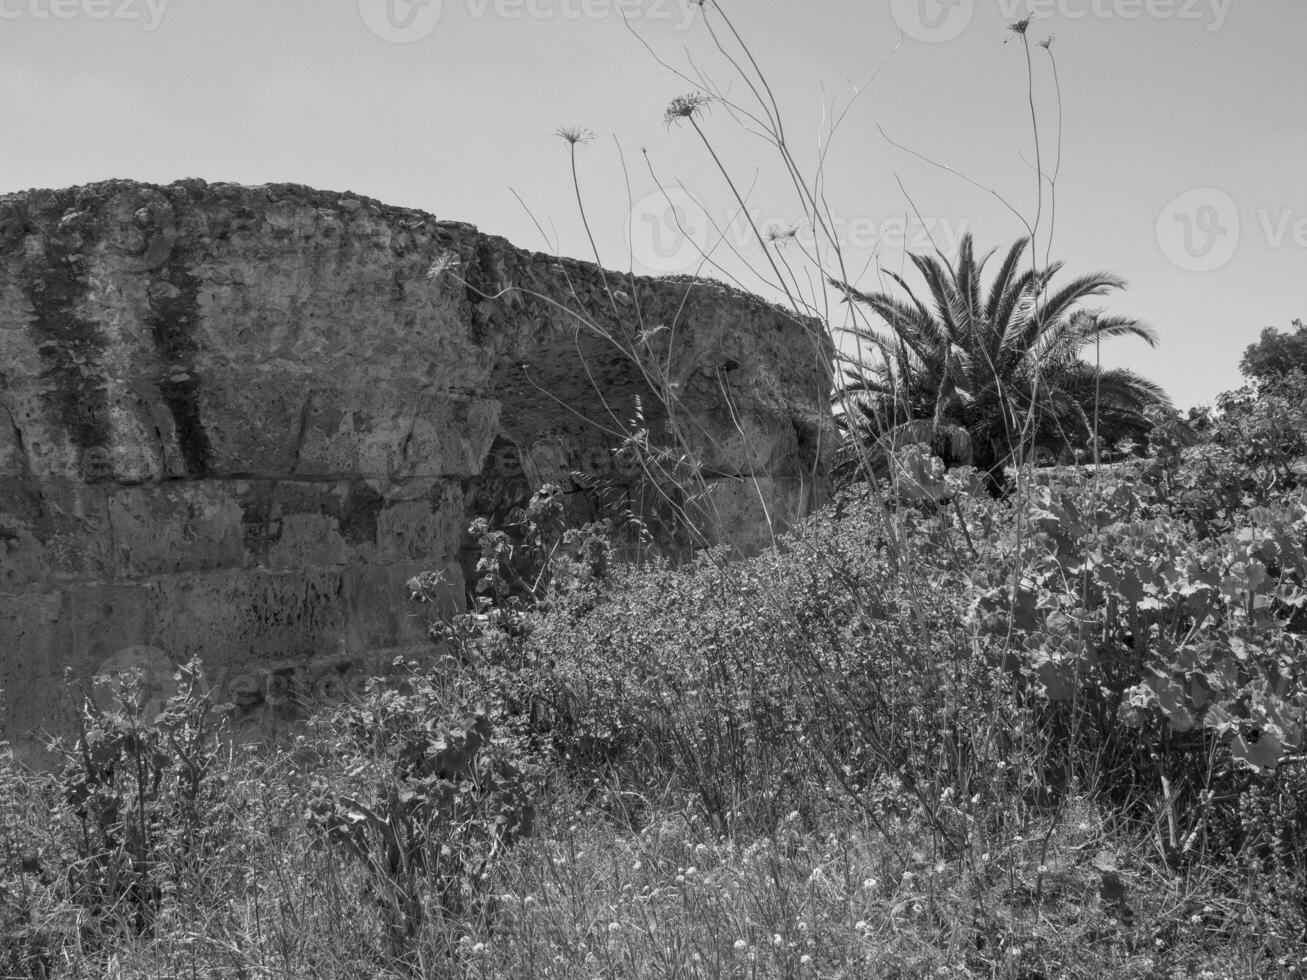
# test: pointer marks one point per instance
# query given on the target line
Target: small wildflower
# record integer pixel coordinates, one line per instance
(741, 945)
(805, 960)
(574, 134)
(780, 235)
(685, 106)
(776, 939)
(614, 926)
(1020, 27)
(860, 925)
(443, 263)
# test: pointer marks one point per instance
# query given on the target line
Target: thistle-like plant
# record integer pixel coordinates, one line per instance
(686, 106)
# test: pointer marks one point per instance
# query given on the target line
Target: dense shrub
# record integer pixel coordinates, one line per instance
(1133, 633)
(428, 797)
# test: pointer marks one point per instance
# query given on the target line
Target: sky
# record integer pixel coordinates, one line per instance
(1178, 141)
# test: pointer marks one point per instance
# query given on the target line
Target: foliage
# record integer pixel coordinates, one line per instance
(1057, 733)
(1276, 355)
(433, 798)
(142, 793)
(990, 377)
(115, 841)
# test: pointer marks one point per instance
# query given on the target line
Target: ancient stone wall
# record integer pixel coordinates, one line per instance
(235, 420)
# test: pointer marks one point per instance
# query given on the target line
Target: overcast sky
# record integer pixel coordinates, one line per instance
(1183, 145)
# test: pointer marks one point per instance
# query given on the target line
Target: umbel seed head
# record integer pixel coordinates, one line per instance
(685, 106)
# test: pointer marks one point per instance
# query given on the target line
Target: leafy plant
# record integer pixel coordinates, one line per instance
(989, 377)
(143, 793)
(434, 798)
(1276, 355)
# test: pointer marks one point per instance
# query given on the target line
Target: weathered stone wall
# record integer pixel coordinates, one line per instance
(235, 420)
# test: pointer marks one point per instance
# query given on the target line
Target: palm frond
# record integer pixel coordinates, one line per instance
(942, 289)
(998, 289)
(1059, 304)
(1004, 366)
(1115, 325)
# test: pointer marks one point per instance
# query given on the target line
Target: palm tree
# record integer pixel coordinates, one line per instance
(990, 378)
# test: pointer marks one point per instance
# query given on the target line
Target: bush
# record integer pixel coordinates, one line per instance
(430, 798)
(141, 801)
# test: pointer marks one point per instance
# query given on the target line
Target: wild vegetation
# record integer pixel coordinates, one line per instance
(976, 375)
(1068, 740)
(973, 718)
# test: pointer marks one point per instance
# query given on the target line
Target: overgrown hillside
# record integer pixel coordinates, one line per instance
(1058, 733)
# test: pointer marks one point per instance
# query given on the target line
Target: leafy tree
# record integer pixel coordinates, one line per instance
(1276, 355)
(987, 376)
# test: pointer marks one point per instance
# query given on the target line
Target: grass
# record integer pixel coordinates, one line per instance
(603, 893)
(715, 793)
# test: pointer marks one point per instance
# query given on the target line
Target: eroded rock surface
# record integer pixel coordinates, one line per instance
(235, 420)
